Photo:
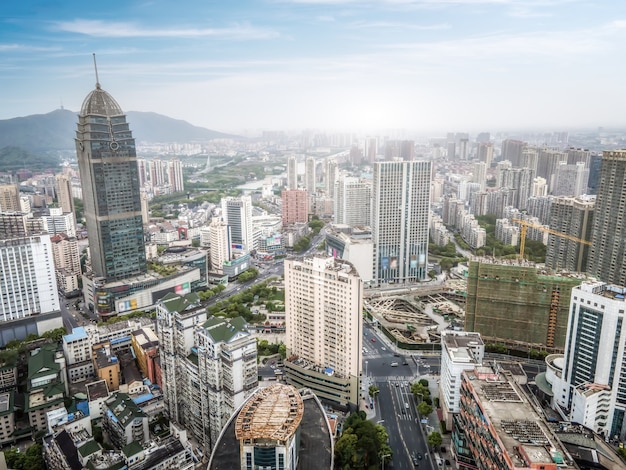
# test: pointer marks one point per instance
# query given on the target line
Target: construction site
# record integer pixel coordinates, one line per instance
(418, 316)
(518, 304)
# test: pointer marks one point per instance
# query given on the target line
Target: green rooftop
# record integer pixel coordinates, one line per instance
(224, 329)
(179, 303)
(132, 449)
(88, 448)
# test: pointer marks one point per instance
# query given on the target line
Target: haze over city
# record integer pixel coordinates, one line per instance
(334, 64)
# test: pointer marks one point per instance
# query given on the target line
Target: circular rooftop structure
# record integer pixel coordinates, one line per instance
(274, 413)
(101, 103)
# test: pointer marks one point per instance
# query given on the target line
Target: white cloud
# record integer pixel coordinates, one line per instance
(99, 28)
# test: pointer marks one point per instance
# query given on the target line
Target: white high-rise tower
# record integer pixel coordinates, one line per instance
(400, 220)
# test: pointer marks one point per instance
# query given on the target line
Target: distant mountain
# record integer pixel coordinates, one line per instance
(14, 158)
(56, 130)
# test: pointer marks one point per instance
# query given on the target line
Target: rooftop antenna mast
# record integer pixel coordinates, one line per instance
(95, 66)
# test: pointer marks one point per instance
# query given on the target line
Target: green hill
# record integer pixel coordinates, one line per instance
(56, 130)
(14, 158)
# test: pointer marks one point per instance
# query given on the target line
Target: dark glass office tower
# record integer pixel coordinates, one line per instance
(107, 161)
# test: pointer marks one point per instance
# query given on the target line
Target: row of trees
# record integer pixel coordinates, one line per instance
(362, 444)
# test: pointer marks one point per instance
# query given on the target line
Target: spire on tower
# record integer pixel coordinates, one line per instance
(95, 66)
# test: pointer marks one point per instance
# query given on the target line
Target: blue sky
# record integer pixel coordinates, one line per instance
(230, 65)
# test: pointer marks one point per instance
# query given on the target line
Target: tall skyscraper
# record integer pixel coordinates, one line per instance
(324, 329)
(607, 256)
(479, 174)
(520, 182)
(573, 217)
(353, 201)
(237, 213)
(401, 197)
(485, 153)
(512, 151)
(292, 173)
(330, 178)
(570, 180)
(309, 175)
(175, 175)
(107, 161)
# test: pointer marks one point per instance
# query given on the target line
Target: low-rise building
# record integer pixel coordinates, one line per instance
(106, 365)
(145, 344)
(46, 385)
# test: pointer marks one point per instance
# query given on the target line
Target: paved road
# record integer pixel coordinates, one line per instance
(406, 437)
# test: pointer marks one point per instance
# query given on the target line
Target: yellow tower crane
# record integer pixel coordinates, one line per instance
(524, 224)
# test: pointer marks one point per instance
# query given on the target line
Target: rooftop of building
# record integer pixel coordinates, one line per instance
(610, 291)
(316, 442)
(140, 279)
(123, 408)
(461, 339)
(78, 333)
(97, 390)
(101, 103)
(225, 329)
(272, 413)
(156, 454)
(105, 358)
(179, 303)
(145, 338)
(42, 362)
(519, 427)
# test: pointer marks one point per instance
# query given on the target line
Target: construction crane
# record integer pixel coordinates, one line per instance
(524, 224)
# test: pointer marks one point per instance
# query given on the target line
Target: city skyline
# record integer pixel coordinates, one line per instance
(331, 64)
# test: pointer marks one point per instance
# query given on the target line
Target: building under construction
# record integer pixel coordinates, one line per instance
(519, 305)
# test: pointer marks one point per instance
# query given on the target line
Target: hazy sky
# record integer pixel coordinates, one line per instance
(458, 65)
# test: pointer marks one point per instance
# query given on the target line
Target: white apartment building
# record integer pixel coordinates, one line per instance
(219, 245)
(460, 351)
(323, 306)
(353, 201)
(400, 220)
(330, 177)
(237, 213)
(175, 175)
(292, 173)
(28, 283)
(592, 387)
(59, 222)
(309, 175)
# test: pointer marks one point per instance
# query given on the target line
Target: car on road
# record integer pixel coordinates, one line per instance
(373, 340)
(383, 348)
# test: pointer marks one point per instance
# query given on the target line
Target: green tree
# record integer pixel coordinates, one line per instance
(424, 409)
(373, 391)
(362, 443)
(434, 439)
(282, 350)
